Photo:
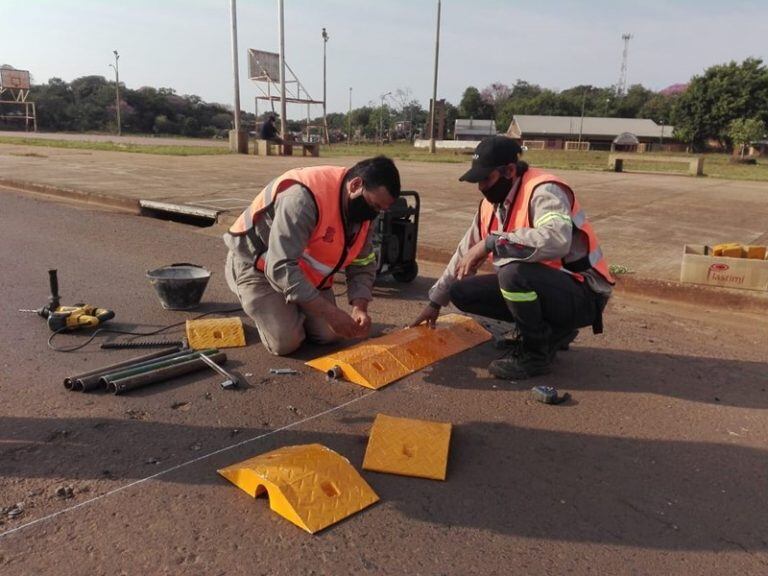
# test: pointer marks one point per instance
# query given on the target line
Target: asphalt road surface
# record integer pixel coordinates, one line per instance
(658, 465)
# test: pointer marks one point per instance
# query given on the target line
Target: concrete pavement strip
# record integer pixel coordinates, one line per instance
(643, 220)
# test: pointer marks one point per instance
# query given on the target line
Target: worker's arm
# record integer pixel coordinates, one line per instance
(294, 220)
(361, 274)
(550, 237)
(293, 223)
(439, 294)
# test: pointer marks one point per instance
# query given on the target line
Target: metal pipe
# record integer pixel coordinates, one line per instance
(71, 381)
(235, 70)
(154, 364)
(94, 381)
(123, 385)
(432, 146)
(334, 373)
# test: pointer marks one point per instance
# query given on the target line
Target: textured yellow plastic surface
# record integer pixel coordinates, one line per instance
(310, 485)
(380, 361)
(215, 333)
(408, 447)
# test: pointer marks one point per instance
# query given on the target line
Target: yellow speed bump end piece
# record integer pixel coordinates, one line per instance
(310, 485)
(215, 333)
(408, 447)
(380, 361)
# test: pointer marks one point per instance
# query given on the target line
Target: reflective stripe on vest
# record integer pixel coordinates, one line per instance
(326, 252)
(519, 217)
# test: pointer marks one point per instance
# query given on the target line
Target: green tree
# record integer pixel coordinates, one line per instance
(744, 131)
(473, 106)
(721, 95)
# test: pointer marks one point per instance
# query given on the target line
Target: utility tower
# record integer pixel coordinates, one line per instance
(621, 87)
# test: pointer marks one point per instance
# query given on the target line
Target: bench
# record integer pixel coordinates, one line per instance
(312, 147)
(267, 148)
(695, 164)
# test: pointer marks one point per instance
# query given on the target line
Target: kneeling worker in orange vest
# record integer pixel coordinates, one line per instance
(285, 248)
(551, 277)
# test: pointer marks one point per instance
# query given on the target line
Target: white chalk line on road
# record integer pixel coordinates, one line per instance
(182, 465)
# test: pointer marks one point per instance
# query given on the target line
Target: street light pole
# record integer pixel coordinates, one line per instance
(325, 119)
(581, 125)
(349, 119)
(434, 85)
(117, 91)
(381, 119)
(281, 19)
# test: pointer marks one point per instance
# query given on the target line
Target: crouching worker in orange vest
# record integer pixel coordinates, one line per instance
(550, 275)
(285, 248)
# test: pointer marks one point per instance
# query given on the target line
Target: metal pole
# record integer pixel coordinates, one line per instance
(434, 85)
(235, 71)
(581, 125)
(117, 91)
(381, 119)
(325, 120)
(282, 70)
(349, 119)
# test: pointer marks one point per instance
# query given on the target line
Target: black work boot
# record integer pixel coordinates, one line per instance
(532, 358)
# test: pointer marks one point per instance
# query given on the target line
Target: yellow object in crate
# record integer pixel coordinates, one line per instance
(730, 250)
(215, 333)
(755, 252)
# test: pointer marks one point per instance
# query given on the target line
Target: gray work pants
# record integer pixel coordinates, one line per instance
(282, 326)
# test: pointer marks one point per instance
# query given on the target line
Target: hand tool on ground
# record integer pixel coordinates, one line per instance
(231, 381)
(69, 317)
(283, 371)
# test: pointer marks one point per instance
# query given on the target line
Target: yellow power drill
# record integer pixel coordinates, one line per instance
(69, 317)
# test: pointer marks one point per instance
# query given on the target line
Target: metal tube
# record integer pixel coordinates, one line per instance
(97, 380)
(122, 385)
(432, 147)
(154, 364)
(74, 382)
(235, 71)
(283, 120)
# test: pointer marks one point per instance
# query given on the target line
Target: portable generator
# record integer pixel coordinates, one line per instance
(394, 238)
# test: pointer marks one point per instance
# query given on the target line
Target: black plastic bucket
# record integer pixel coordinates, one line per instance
(179, 286)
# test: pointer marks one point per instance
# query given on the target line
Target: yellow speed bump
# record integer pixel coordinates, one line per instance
(380, 361)
(215, 333)
(408, 447)
(310, 485)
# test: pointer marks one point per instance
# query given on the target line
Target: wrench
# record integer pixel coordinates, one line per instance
(231, 380)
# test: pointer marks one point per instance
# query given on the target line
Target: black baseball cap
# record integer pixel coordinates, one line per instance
(491, 153)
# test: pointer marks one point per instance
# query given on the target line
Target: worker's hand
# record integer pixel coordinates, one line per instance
(428, 316)
(343, 324)
(361, 317)
(363, 321)
(472, 260)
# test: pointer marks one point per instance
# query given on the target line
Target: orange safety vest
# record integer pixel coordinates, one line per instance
(519, 217)
(327, 250)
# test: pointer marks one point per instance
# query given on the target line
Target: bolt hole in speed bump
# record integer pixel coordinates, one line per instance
(380, 361)
(408, 447)
(310, 485)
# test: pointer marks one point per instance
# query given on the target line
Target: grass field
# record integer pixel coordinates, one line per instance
(715, 165)
(163, 150)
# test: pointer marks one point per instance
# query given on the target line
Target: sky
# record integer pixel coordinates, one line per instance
(376, 47)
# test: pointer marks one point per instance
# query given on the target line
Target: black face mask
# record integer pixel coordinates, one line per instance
(359, 210)
(497, 193)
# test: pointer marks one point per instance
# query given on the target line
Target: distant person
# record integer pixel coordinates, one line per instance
(285, 248)
(550, 274)
(269, 131)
